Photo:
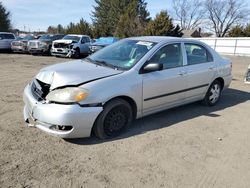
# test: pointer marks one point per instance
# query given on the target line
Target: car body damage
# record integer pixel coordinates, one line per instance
(129, 79)
(71, 46)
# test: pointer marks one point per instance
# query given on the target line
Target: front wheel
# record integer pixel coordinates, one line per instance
(213, 94)
(77, 54)
(114, 119)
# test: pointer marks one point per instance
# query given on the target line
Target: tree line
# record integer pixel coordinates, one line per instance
(125, 18)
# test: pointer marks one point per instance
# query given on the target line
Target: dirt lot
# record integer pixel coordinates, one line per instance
(174, 148)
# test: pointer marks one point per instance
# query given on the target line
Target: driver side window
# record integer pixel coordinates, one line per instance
(170, 56)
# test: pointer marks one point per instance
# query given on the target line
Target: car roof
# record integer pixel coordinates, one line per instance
(6, 33)
(77, 35)
(159, 39)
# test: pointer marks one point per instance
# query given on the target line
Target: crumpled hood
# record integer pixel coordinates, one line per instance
(73, 73)
(64, 41)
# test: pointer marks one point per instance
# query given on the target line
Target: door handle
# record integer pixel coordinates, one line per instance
(211, 68)
(182, 73)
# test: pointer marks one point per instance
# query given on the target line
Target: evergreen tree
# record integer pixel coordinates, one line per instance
(247, 30)
(60, 29)
(237, 31)
(163, 25)
(133, 21)
(5, 24)
(82, 28)
(52, 30)
(107, 15)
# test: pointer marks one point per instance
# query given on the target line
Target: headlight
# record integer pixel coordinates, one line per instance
(42, 44)
(67, 95)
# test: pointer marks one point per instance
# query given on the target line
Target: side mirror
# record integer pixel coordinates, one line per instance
(0, 38)
(152, 67)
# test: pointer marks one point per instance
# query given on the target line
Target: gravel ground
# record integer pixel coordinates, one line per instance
(189, 146)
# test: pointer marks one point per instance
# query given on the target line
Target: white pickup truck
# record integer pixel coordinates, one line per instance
(71, 46)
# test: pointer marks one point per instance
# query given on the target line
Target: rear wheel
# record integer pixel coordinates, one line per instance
(114, 119)
(213, 94)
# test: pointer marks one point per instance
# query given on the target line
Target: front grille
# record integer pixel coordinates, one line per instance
(61, 45)
(33, 44)
(39, 89)
(16, 44)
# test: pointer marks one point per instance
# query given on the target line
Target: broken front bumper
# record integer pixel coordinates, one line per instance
(63, 52)
(65, 121)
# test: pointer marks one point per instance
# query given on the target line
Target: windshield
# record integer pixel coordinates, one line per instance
(123, 54)
(7, 36)
(28, 37)
(46, 37)
(70, 37)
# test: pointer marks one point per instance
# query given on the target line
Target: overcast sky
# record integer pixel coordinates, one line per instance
(37, 15)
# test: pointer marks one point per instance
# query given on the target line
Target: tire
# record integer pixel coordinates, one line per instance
(77, 54)
(213, 94)
(113, 120)
(49, 51)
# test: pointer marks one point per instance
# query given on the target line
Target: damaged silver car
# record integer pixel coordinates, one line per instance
(127, 80)
(71, 46)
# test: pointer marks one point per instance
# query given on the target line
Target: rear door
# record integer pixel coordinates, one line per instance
(166, 87)
(200, 70)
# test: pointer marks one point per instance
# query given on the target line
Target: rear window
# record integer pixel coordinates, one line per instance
(7, 36)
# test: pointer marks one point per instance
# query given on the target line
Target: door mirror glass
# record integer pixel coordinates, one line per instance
(152, 67)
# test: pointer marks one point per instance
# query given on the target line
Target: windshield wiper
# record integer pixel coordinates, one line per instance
(102, 63)
(90, 60)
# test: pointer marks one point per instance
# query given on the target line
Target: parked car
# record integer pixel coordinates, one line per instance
(102, 42)
(21, 44)
(5, 40)
(43, 44)
(129, 79)
(71, 46)
(247, 78)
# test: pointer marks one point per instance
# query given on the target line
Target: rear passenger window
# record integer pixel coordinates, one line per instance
(170, 56)
(197, 54)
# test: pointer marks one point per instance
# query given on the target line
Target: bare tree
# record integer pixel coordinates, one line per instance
(222, 14)
(189, 13)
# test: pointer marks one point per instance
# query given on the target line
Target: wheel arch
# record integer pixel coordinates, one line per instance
(128, 99)
(221, 80)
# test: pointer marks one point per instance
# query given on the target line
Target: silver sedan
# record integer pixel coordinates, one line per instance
(127, 80)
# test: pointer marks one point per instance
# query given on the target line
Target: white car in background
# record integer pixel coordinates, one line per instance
(71, 46)
(5, 40)
(129, 79)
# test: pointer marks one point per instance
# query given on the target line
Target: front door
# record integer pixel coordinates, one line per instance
(166, 87)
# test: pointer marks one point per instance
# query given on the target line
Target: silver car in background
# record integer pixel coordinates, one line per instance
(129, 79)
(5, 40)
